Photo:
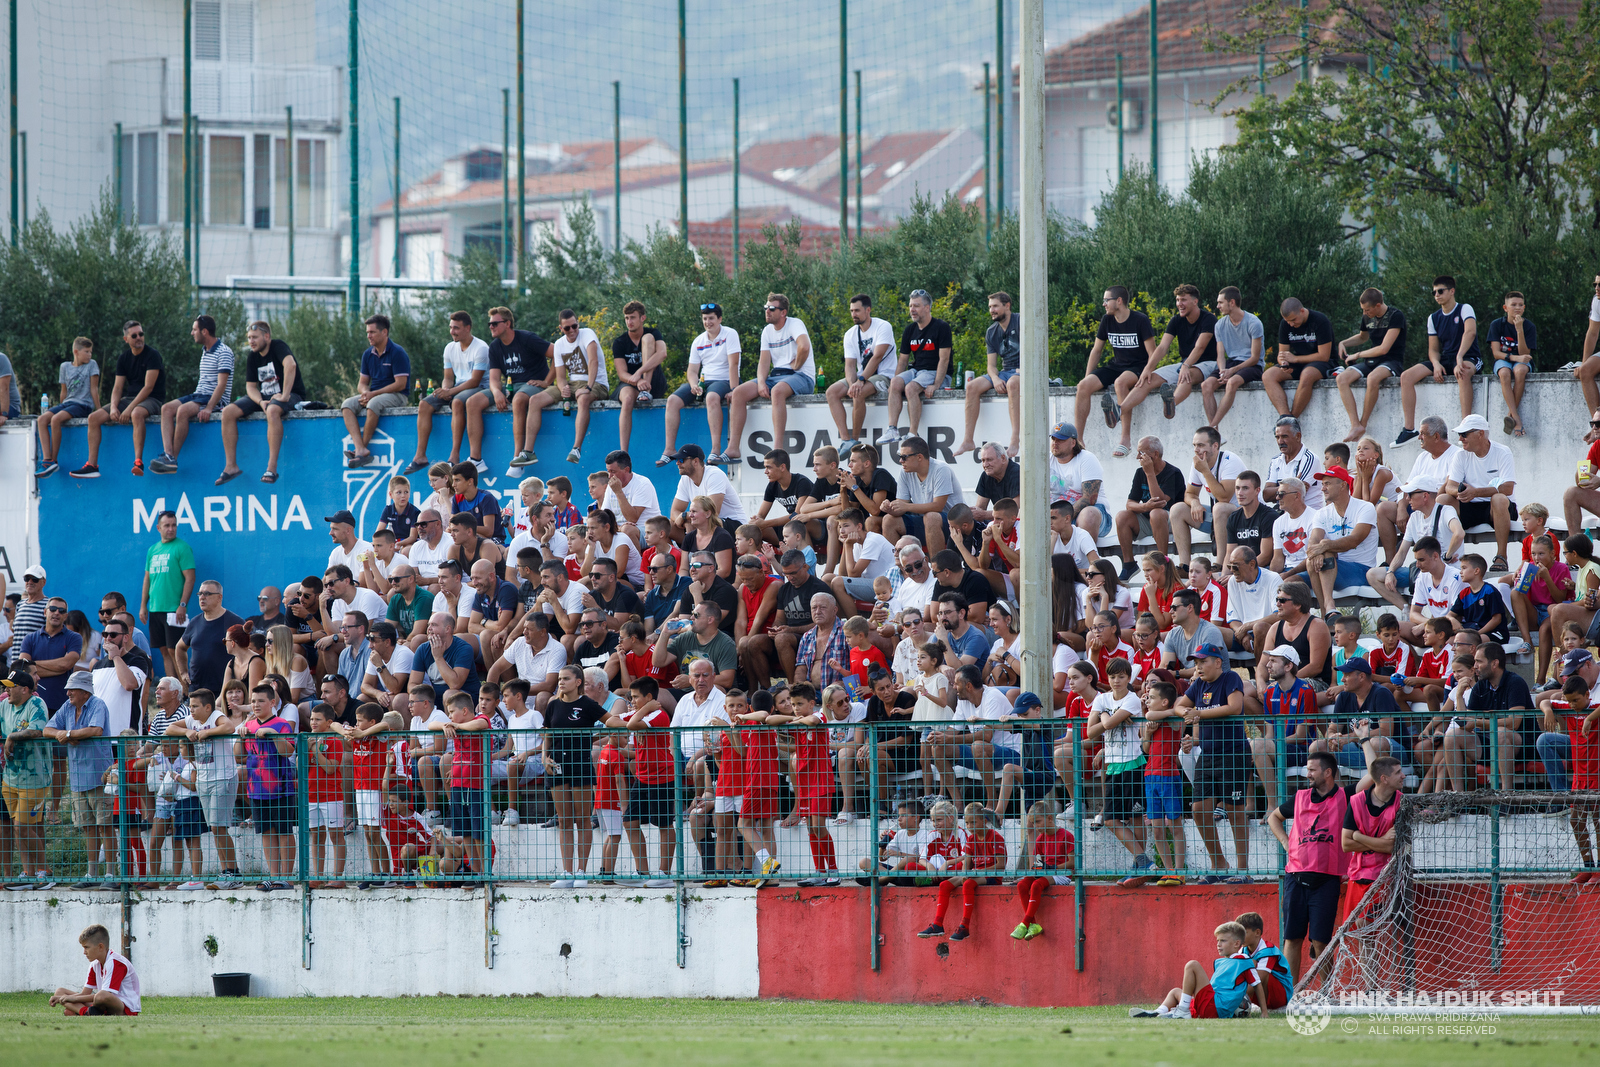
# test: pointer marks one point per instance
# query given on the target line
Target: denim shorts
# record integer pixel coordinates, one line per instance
(798, 384)
(195, 398)
(78, 409)
(1169, 373)
(1506, 364)
(719, 386)
(917, 526)
(1002, 757)
(1349, 573)
(924, 378)
(1007, 375)
(1354, 757)
(1105, 519)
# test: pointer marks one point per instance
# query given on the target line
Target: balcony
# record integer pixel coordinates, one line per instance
(254, 93)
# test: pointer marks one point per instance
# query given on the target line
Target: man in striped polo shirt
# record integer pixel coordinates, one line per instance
(212, 392)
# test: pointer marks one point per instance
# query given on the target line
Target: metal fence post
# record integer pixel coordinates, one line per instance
(1077, 845)
(677, 815)
(872, 843)
(302, 781)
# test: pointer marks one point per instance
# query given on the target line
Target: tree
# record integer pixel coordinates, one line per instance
(1471, 101)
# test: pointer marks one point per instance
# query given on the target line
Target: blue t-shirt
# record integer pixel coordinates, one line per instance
(401, 522)
(381, 371)
(458, 655)
(973, 644)
(41, 646)
(1449, 330)
(88, 759)
(486, 506)
(1219, 736)
(505, 599)
(1502, 331)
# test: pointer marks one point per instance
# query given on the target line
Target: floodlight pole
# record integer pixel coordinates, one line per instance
(1035, 362)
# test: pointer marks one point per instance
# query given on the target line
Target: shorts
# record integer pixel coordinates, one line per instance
(1277, 995)
(1204, 525)
(1144, 525)
(759, 805)
(1163, 796)
(814, 799)
(164, 632)
(467, 812)
(149, 405)
(25, 807)
(92, 807)
(1123, 791)
(383, 402)
(1222, 776)
(188, 822)
(1249, 374)
(327, 814)
(497, 770)
(1348, 573)
(273, 815)
(1169, 373)
(1368, 366)
(916, 523)
(1480, 513)
(725, 805)
(77, 409)
(1204, 1004)
(1353, 756)
(369, 807)
(1002, 757)
(652, 804)
(903, 758)
(1004, 376)
(1448, 362)
(165, 806)
(249, 407)
(798, 383)
(597, 391)
(1541, 612)
(1105, 519)
(924, 378)
(658, 384)
(1506, 364)
(610, 821)
(1311, 902)
(719, 386)
(1322, 367)
(532, 767)
(193, 398)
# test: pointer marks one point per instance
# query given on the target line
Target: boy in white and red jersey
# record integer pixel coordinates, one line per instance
(653, 800)
(1147, 650)
(759, 803)
(1573, 715)
(729, 791)
(370, 755)
(813, 776)
(1392, 657)
(112, 987)
(1270, 960)
(1213, 597)
(405, 833)
(940, 853)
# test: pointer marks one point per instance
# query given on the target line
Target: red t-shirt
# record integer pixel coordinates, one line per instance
(1585, 767)
(605, 790)
(861, 658)
(997, 561)
(402, 830)
(752, 601)
(325, 786)
(1213, 603)
(1051, 848)
(1163, 599)
(951, 848)
(730, 769)
(1106, 655)
(649, 553)
(652, 748)
(371, 754)
(1145, 662)
(987, 848)
(466, 767)
(760, 760)
(574, 568)
(1400, 661)
(642, 665)
(1434, 664)
(1162, 759)
(812, 762)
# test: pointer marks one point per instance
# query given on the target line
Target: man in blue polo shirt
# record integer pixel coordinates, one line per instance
(52, 653)
(445, 661)
(1213, 702)
(385, 379)
(1452, 350)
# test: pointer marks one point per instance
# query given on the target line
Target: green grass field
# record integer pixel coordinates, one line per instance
(555, 1032)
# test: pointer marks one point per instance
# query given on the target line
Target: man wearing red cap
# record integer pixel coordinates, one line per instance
(1344, 538)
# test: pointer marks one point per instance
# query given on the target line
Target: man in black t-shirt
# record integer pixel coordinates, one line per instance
(595, 647)
(137, 393)
(1383, 328)
(925, 358)
(1499, 689)
(1133, 352)
(1001, 480)
(706, 584)
(760, 653)
(1002, 342)
(636, 356)
(1305, 356)
(785, 489)
(1146, 513)
(952, 576)
(866, 485)
(519, 372)
(1193, 332)
(1251, 522)
(274, 384)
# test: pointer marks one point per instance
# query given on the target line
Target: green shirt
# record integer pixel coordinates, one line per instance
(165, 563)
(721, 651)
(405, 616)
(29, 765)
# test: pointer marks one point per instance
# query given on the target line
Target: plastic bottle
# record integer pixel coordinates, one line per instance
(44, 403)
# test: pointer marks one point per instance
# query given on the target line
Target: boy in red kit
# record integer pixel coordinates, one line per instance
(637, 654)
(469, 794)
(940, 854)
(729, 791)
(1213, 597)
(863, 654)
(760, 796)
(112, 987)
(325, 797)
(1392, 657)
(1579, 722)
(1045, 847)
(405, 832)
(983, 852)
(1270, 960)
(1147, 648)
(608, 791)
(654, 799)
(813, 776)
(370, 753)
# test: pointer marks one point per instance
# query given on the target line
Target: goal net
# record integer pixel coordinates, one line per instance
(1487, 904)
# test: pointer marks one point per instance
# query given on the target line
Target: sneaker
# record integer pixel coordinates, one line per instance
(810, 883)
(890, 436)
(1128, 571)
(1177, 1013)
(770, 868)
(88, 470)
(580, 883)
(564, 883)
(1167, 881)
(1144, 1013)
(45, 885)
(499, 817)
(718, 883)
(47, 468)
(511, 818)
(138, 468)
(1143, 860)
(1098, 821)
(844, 818)
(961, 933)
(229, 880)
(86, 884)
(192, 885)
(574, 456)
(1239, 879)
(1021, 932)
(933, 930)
(1068, 813)
(365, 886)
(1208, 879)
(1404, 437)
(1169, 406)
(483, 468)
(550, 824)
(164, 464)
(658, 883)
(1034, 930)
(432, 817)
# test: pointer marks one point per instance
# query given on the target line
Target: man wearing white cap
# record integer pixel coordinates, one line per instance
(1482, 484)
(1429, 518)
(1290, 700)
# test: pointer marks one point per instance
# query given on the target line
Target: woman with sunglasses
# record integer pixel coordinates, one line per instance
(1104, 591)
(246, 665)
(282, 659)
(705, 533)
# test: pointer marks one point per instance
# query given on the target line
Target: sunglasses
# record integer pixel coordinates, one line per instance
(907, 455)
(136, 336)
(698, 566)
(570, 329)
(771, 307)
(56, 611)
(496, 322)
(106, 613)
(1282, 600)
(1440, 292)
(709, 307)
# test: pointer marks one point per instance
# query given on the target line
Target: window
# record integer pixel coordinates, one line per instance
(225, 166)
(311, 184)
(261, 215)
(207, 16)
(147, 167)
(175, 175)
(225, 30)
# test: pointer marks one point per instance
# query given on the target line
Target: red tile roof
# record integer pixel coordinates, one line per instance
(1183, 28)
(816, 239)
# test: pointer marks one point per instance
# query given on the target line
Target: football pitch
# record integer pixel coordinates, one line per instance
(555, 1032)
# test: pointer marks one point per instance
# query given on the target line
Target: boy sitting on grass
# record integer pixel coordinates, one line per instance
(1270, 960)
(1234, 978)
(112, 987)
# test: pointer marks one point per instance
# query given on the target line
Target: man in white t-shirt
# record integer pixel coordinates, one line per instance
(1435, 460)
(696, 478)
(1430, 517)
(864, 556)
(1210, 497)
(982, 748)
(580, 376)
(430, 549)
(713, 374)
(917, 587)
(867, 345)
(785, 369)
(1076, 477)
(1291, 531)
(466, 362)
(1344, 538)
(630, 497)
(1252, 599)
(1434, 587)
(536, 657)
(1482, 484)
(1067, 536)
(340, 594)
(347, 548)
(1294, 460)
(210, 734)
(119, 683)
(1589, 361)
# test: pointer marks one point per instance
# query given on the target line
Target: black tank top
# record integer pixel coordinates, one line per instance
(477, 551)
(1302, 645)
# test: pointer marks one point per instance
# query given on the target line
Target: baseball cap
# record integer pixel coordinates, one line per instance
(81, 680)
(1064, 431)
(1338, 472)
(1211, 652)
(1286, 652)
(1422, 483)
(18, 678)
(34, 571)
(343, 515)
(1025, 702)
(688, 452)
(1472, 422)
(1574, 660)
(1357, 663)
